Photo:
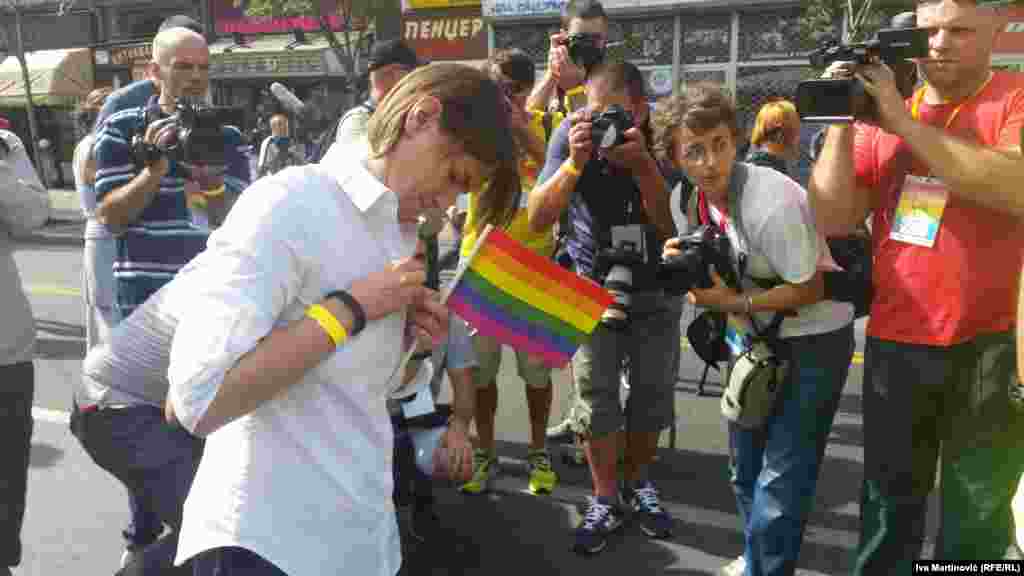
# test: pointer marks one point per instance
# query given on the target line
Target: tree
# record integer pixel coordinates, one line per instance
(346, 24)
(858, 19)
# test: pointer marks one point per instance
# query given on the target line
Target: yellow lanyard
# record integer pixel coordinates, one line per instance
(915, 107)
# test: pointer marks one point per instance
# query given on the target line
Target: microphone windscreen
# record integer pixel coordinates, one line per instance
(287, 98)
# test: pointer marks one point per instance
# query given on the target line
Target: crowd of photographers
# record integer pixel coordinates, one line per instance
(231, 311)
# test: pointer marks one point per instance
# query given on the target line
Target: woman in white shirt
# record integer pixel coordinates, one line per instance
(291, 325)
(774, 467)
(99, 250)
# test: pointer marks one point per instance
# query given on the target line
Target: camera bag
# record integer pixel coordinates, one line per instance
(754, 377)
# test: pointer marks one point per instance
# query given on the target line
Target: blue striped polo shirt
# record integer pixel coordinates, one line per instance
(163, 238)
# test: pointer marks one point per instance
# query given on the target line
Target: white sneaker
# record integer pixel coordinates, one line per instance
(737, 567)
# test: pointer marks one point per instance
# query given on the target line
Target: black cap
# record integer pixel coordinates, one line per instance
(390, 52)
(181, 21)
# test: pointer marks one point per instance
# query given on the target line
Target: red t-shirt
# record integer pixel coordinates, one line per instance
(966, 284)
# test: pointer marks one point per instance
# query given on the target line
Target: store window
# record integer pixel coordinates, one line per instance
(533, 38)
(772, 35)
(706, 39)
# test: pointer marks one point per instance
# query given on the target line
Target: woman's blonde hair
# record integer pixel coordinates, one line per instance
(473, 113)
(779, 123)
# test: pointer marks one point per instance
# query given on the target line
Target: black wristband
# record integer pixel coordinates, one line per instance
(358, 314)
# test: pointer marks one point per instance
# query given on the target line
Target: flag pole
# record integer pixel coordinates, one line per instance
(463, 266)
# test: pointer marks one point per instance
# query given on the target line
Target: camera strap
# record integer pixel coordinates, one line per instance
(740, 175)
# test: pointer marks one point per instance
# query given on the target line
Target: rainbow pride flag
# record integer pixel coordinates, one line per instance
(525, 300)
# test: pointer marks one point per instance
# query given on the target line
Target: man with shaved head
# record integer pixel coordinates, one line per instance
(160, 208)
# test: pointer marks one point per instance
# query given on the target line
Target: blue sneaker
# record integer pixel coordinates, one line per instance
(600, 519)
(653, 519)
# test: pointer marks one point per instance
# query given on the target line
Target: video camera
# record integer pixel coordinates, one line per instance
(583, 50)
(835, 100)
(197, 138)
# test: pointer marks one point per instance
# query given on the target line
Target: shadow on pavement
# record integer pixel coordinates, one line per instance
(44, 455)
(512, 533)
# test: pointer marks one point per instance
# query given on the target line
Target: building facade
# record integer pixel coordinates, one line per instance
(754, 47)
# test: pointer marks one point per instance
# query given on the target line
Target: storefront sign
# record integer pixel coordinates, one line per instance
(449, 34)
(408, 5)
(305, 63)
(238, 16)
(130, 55)
(520, 8)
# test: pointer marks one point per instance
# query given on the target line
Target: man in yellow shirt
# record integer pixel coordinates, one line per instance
(514, 71)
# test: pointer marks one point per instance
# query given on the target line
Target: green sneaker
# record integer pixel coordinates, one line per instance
(485, 468)
(542, 478)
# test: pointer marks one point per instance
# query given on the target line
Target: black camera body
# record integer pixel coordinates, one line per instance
(197, 137)
(621, 260)
(584, 50)
(839, 100)
(701, 248)
(607, 127)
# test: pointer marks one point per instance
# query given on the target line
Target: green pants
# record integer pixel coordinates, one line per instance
(921, 402)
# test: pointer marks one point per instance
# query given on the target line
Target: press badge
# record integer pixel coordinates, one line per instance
(919, 211)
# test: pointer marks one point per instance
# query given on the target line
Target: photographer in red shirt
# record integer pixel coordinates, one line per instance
(940, 175)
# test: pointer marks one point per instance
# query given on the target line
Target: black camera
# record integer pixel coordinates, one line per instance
(626, 254)
(844, 99)
(197, 138)
(607, 128)
(584, 50)
(700, 249)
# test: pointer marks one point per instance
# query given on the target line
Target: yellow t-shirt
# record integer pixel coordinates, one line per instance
(542, 242)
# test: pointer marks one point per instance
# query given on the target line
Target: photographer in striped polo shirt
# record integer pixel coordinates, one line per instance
(161, 208)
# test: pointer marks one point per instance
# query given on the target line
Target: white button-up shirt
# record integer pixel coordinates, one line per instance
(304, 480)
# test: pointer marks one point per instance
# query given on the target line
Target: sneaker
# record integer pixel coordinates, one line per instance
(485, 468)
(561, 433)
(737, 567)
(653, 519)
(600, 519)
(542, 478)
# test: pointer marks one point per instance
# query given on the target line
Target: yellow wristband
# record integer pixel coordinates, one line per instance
(218, 191)
(574, 91)
(570, 167)
(197, 200)
(335, 331)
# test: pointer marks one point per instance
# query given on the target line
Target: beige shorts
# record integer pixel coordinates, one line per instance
(533, 371)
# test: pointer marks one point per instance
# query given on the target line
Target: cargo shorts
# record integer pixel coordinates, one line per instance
(651, 342)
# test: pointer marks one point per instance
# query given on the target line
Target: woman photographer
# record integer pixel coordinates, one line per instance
(98, 253)
(774, 467)
(292, 324)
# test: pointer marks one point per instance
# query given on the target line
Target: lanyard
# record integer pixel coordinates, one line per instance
(705, 214)
(915, 108)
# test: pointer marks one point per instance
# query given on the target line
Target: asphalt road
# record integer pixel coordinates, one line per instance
(76, 511)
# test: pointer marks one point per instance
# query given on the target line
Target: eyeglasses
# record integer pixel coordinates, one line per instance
(697, 153)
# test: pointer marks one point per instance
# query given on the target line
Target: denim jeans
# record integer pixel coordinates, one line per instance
(154, 460)
(775, 468)
(233, 561)
(18, 384)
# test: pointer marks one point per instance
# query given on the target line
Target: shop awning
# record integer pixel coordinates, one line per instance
(266, 56)
(57, 78)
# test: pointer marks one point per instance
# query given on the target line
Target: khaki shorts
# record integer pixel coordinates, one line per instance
(652, 344)
(533, 371)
